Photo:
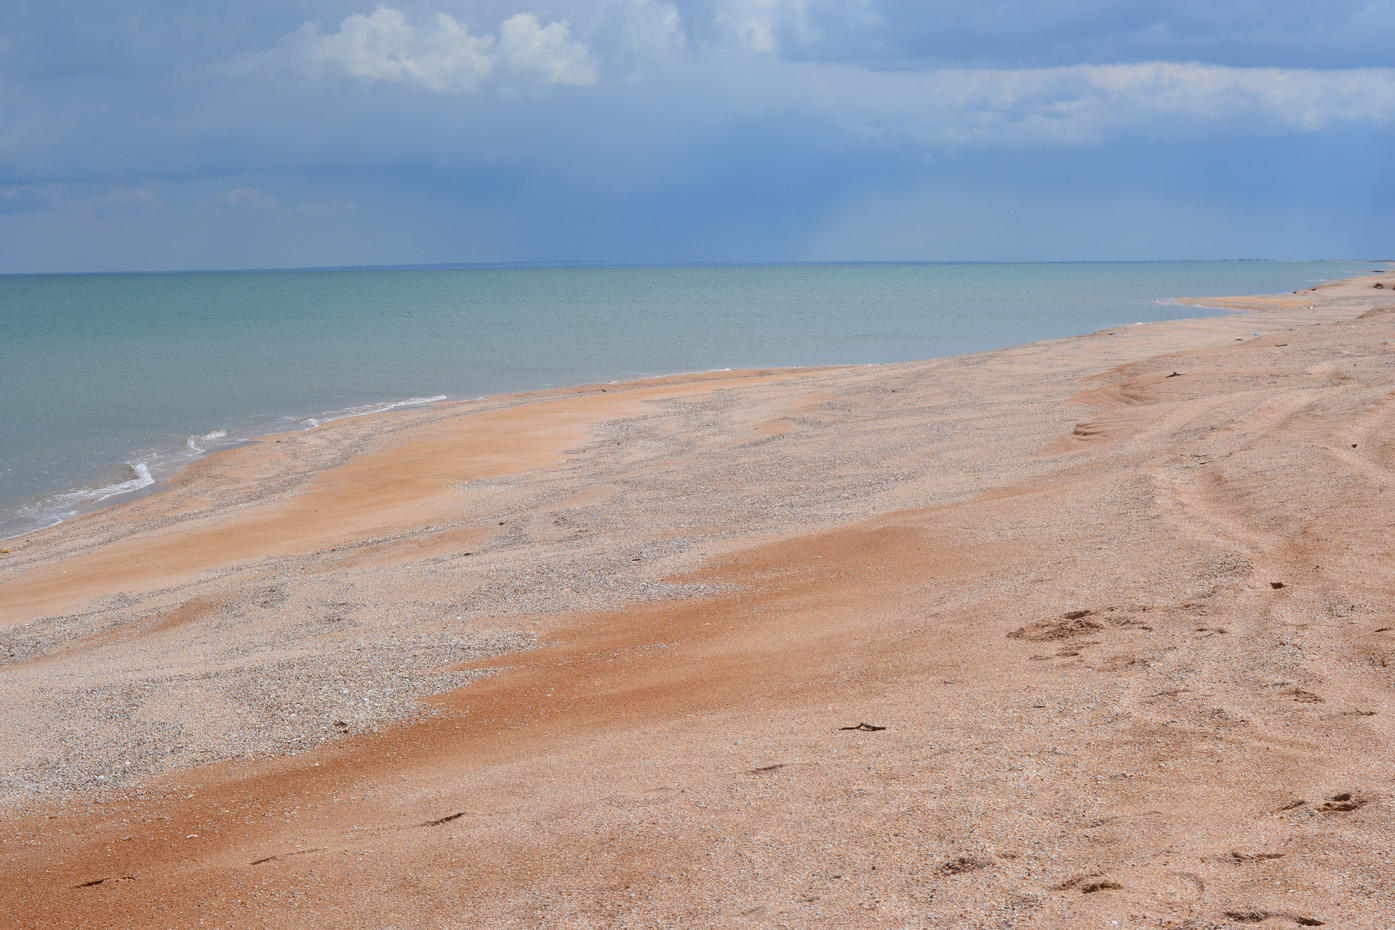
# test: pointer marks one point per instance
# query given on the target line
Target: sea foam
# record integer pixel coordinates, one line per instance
(213, 435)
(137, 476)
(362, 410)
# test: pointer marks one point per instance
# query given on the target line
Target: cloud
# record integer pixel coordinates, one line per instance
(75, 198)
(759, 24)
(383, 46)
(122, 197)
(1086, 104)
(440, 56)
(248, 197)
(170, 39)
(629, 35)
(1037, 33)
(243, 200)
(705, 129)
(897, 102)
(22, 200)
(546, 54)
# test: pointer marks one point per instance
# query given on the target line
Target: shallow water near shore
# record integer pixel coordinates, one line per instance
(110, 381)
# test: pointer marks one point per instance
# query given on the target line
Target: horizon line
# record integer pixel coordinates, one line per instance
(581, 264)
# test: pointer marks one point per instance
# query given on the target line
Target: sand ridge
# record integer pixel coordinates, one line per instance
(1118, 601)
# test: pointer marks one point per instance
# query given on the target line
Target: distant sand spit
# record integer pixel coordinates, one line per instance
(1085, 633)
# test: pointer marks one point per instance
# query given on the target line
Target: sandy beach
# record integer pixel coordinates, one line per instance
(1085, 633)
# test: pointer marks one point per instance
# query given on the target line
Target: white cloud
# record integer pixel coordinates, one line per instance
(544, 53)
(1085, 103)
(441, 56)
(1075, 104)
(817, 27)
(80, 198)
(250, 200)
(759, 24)
(248, 197)
(127, 197)
(23, 200)
(383, 46)
(629, 36)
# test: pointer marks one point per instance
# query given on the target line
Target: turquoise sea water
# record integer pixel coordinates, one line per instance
(107, 381)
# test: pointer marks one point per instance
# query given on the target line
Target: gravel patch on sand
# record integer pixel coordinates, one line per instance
(265, 654)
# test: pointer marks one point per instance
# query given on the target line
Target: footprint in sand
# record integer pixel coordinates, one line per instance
(1251, 915)
(1088, 884)
(1341, 803)
(1304, 696)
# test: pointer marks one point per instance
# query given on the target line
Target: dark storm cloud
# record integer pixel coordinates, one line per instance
(644, 129)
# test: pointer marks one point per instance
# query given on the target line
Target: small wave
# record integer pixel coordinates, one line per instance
(366, 409)
(136, 476)
(212, 436)
(56, 508)
(415, 401)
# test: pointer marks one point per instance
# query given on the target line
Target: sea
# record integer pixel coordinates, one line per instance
(108, 382)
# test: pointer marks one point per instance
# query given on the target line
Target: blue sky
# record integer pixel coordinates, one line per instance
(154, 134)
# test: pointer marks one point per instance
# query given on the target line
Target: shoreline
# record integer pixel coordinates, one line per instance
(672, 599)
(159, 479)
(164, 464)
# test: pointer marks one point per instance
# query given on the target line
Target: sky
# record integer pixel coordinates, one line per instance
(164, 135)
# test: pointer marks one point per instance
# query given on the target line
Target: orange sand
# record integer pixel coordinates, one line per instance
(1120, 602)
